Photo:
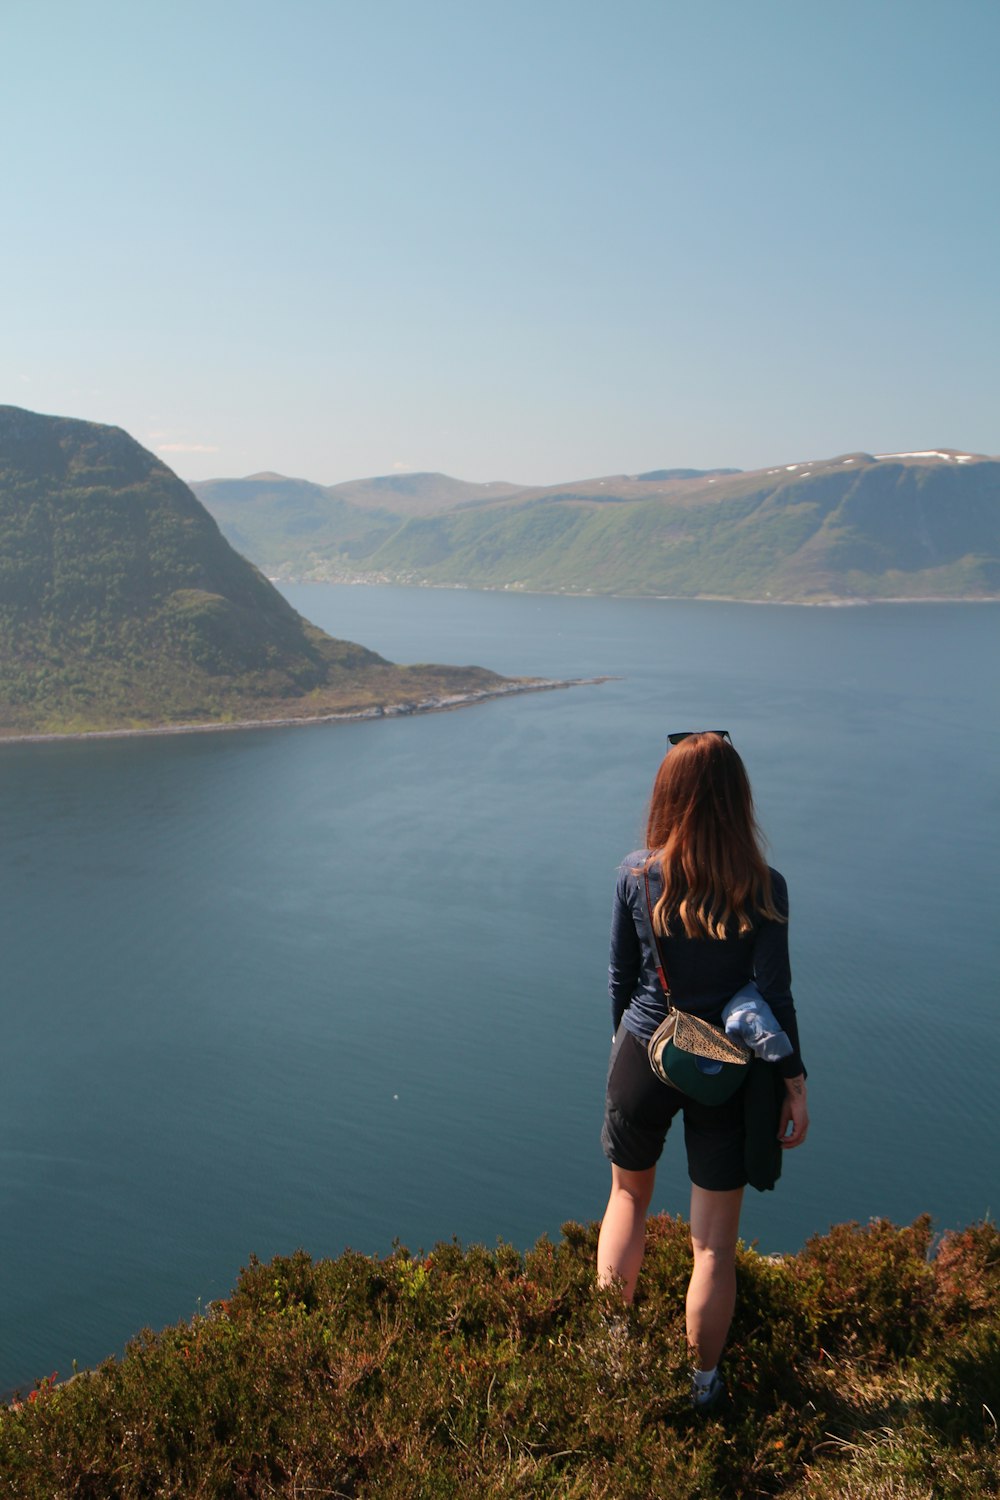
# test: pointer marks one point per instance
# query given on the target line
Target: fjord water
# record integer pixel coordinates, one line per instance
(344, 984)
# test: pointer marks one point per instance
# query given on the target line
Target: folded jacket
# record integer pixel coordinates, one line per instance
(748, 1018)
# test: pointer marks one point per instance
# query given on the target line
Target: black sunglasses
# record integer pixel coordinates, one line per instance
(685, 734)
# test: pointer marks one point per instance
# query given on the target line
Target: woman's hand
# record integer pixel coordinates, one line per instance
(794, 1112)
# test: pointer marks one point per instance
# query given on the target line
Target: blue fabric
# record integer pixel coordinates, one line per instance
(748, 1018)
(705, 973)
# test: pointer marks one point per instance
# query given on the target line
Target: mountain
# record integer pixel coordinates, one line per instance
(419, 494)
(122, 605)
(294, 529)
(299, 530)
(859, 526)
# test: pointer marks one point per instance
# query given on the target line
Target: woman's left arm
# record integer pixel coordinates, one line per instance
(773, 975)
(794, 1112)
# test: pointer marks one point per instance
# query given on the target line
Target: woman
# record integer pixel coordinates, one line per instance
(721, 916)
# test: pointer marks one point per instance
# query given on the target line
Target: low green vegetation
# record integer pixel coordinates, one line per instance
(866, 1367)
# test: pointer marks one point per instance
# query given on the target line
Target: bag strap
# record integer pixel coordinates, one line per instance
(661, 972)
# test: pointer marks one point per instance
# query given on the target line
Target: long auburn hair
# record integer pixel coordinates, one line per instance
(703, 834)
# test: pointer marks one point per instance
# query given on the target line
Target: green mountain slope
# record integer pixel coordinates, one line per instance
(858, 528)
(295, 529)
(419, 494)
(852, 527)
(121, 604)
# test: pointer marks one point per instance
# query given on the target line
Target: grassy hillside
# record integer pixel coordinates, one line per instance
(419, 494)
(294, 528)
(873, 529)
(854, 527)
(122, 605)
(298, 530)
(867, 1367)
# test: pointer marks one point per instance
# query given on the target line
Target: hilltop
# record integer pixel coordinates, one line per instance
(865, 1367)
(859, 526)
(123, 606)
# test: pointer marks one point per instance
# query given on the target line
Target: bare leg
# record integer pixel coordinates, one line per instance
(711, 1296)
(623, 1229)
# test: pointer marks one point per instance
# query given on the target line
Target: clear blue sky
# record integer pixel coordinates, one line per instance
(525, 239)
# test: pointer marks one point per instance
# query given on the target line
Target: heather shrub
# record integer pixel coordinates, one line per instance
(863, 1365)
(869, 1288)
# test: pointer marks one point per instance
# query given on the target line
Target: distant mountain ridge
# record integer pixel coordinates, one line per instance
(122, 604)
(419, 494)
(923, 524)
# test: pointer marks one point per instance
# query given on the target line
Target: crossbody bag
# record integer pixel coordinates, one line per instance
(688, 1053)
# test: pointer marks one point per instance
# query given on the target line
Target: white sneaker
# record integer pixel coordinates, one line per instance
(709, 1398)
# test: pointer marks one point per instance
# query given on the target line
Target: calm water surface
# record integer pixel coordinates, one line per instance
(338, 985)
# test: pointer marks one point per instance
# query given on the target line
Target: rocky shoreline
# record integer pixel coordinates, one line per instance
(383, 711)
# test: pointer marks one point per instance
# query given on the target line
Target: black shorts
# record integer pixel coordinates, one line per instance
(639, 1110)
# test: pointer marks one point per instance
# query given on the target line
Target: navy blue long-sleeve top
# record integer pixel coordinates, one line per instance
(703, 973)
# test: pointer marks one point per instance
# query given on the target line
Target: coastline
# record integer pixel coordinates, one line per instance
(835, 601)
(508, 689)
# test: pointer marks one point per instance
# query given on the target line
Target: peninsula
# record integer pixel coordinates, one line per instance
(124, 609)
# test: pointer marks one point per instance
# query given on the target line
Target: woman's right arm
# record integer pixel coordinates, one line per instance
(626, 954)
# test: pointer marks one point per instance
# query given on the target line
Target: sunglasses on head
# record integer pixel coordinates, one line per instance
(685, 734)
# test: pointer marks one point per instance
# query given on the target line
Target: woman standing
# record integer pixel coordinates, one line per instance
(721, 917)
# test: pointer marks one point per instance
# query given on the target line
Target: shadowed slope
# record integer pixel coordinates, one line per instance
(121, 603)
